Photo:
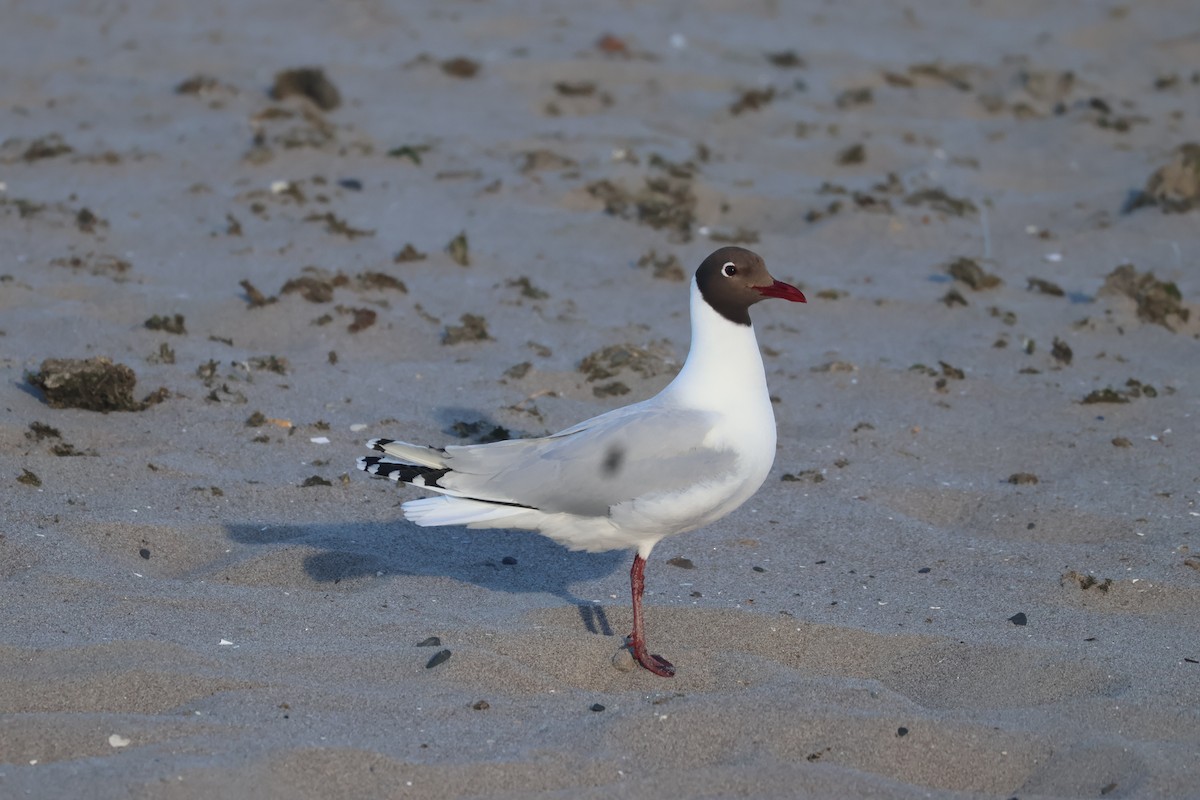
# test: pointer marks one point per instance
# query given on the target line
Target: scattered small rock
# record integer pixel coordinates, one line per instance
(939, 200)
(173, 324)
(834, 366)
(269, 363)
(681, 562)
(363, 319)
(950, 371)
(1061, 351)
(596, 707)
(969, 272)
(518, 371)
(457, 249)
(1106, 395)
(1019, 619)
(854, 154)
(953, 76)
(1086, 582)
(858, 96)
(50, 146)
(575, 88)
(28, 478)
(808, 475)
(199, 84)
(410, 151)
(1045, 287)
(308, 82)
(311, 288)
(545, 160)
(954, 297)
(527, 288)
(481, 705)
(256, 298)
(1121, 441)
(338, 226)
(315, 480)
(409, 253)
(612, 45)
(472, 329)
(752, 100)
(1175, 187)
(786, 59)
(1022, 478)
(613, 389)
(40, 430)
(623, 661)
(87, 221)
(440, 657)
(460, 67)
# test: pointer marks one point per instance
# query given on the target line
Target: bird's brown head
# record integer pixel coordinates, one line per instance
(733, 278)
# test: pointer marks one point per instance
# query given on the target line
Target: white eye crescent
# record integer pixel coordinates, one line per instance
(729, 270)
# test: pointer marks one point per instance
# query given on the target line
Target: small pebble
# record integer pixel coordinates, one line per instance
(1019, 618)
(623, 660)
(440, 657)
(902, 731)
(481, 705)
(508, 560)
(432, 641)
(597, 707)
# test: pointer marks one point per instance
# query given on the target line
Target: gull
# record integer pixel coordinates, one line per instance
(632, 476)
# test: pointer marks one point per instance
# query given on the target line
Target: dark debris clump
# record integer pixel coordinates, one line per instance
(1157, 301)
(307, 82)
(94, 384)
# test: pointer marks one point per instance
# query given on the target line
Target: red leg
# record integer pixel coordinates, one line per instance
(637, 640)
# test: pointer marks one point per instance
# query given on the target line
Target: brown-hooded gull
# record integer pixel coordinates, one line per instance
(632, 476)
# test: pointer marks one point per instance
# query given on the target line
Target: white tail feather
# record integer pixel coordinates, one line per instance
(444, 510)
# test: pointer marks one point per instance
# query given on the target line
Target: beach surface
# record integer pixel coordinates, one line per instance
(974, 570)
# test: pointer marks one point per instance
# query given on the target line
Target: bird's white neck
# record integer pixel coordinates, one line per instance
(724, 369)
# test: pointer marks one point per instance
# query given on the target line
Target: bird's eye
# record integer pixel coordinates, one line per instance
(729, 270)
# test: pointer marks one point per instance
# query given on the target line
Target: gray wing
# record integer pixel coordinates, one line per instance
(587, 469)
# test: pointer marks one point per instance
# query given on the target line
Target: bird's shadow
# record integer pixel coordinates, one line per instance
(508, 561)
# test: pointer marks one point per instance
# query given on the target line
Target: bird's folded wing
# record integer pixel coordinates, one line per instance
(626, 454)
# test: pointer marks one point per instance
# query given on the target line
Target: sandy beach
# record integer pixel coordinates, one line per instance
(275, 230)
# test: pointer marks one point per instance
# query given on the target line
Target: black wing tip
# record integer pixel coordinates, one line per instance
(379, 444)
(382, 467)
